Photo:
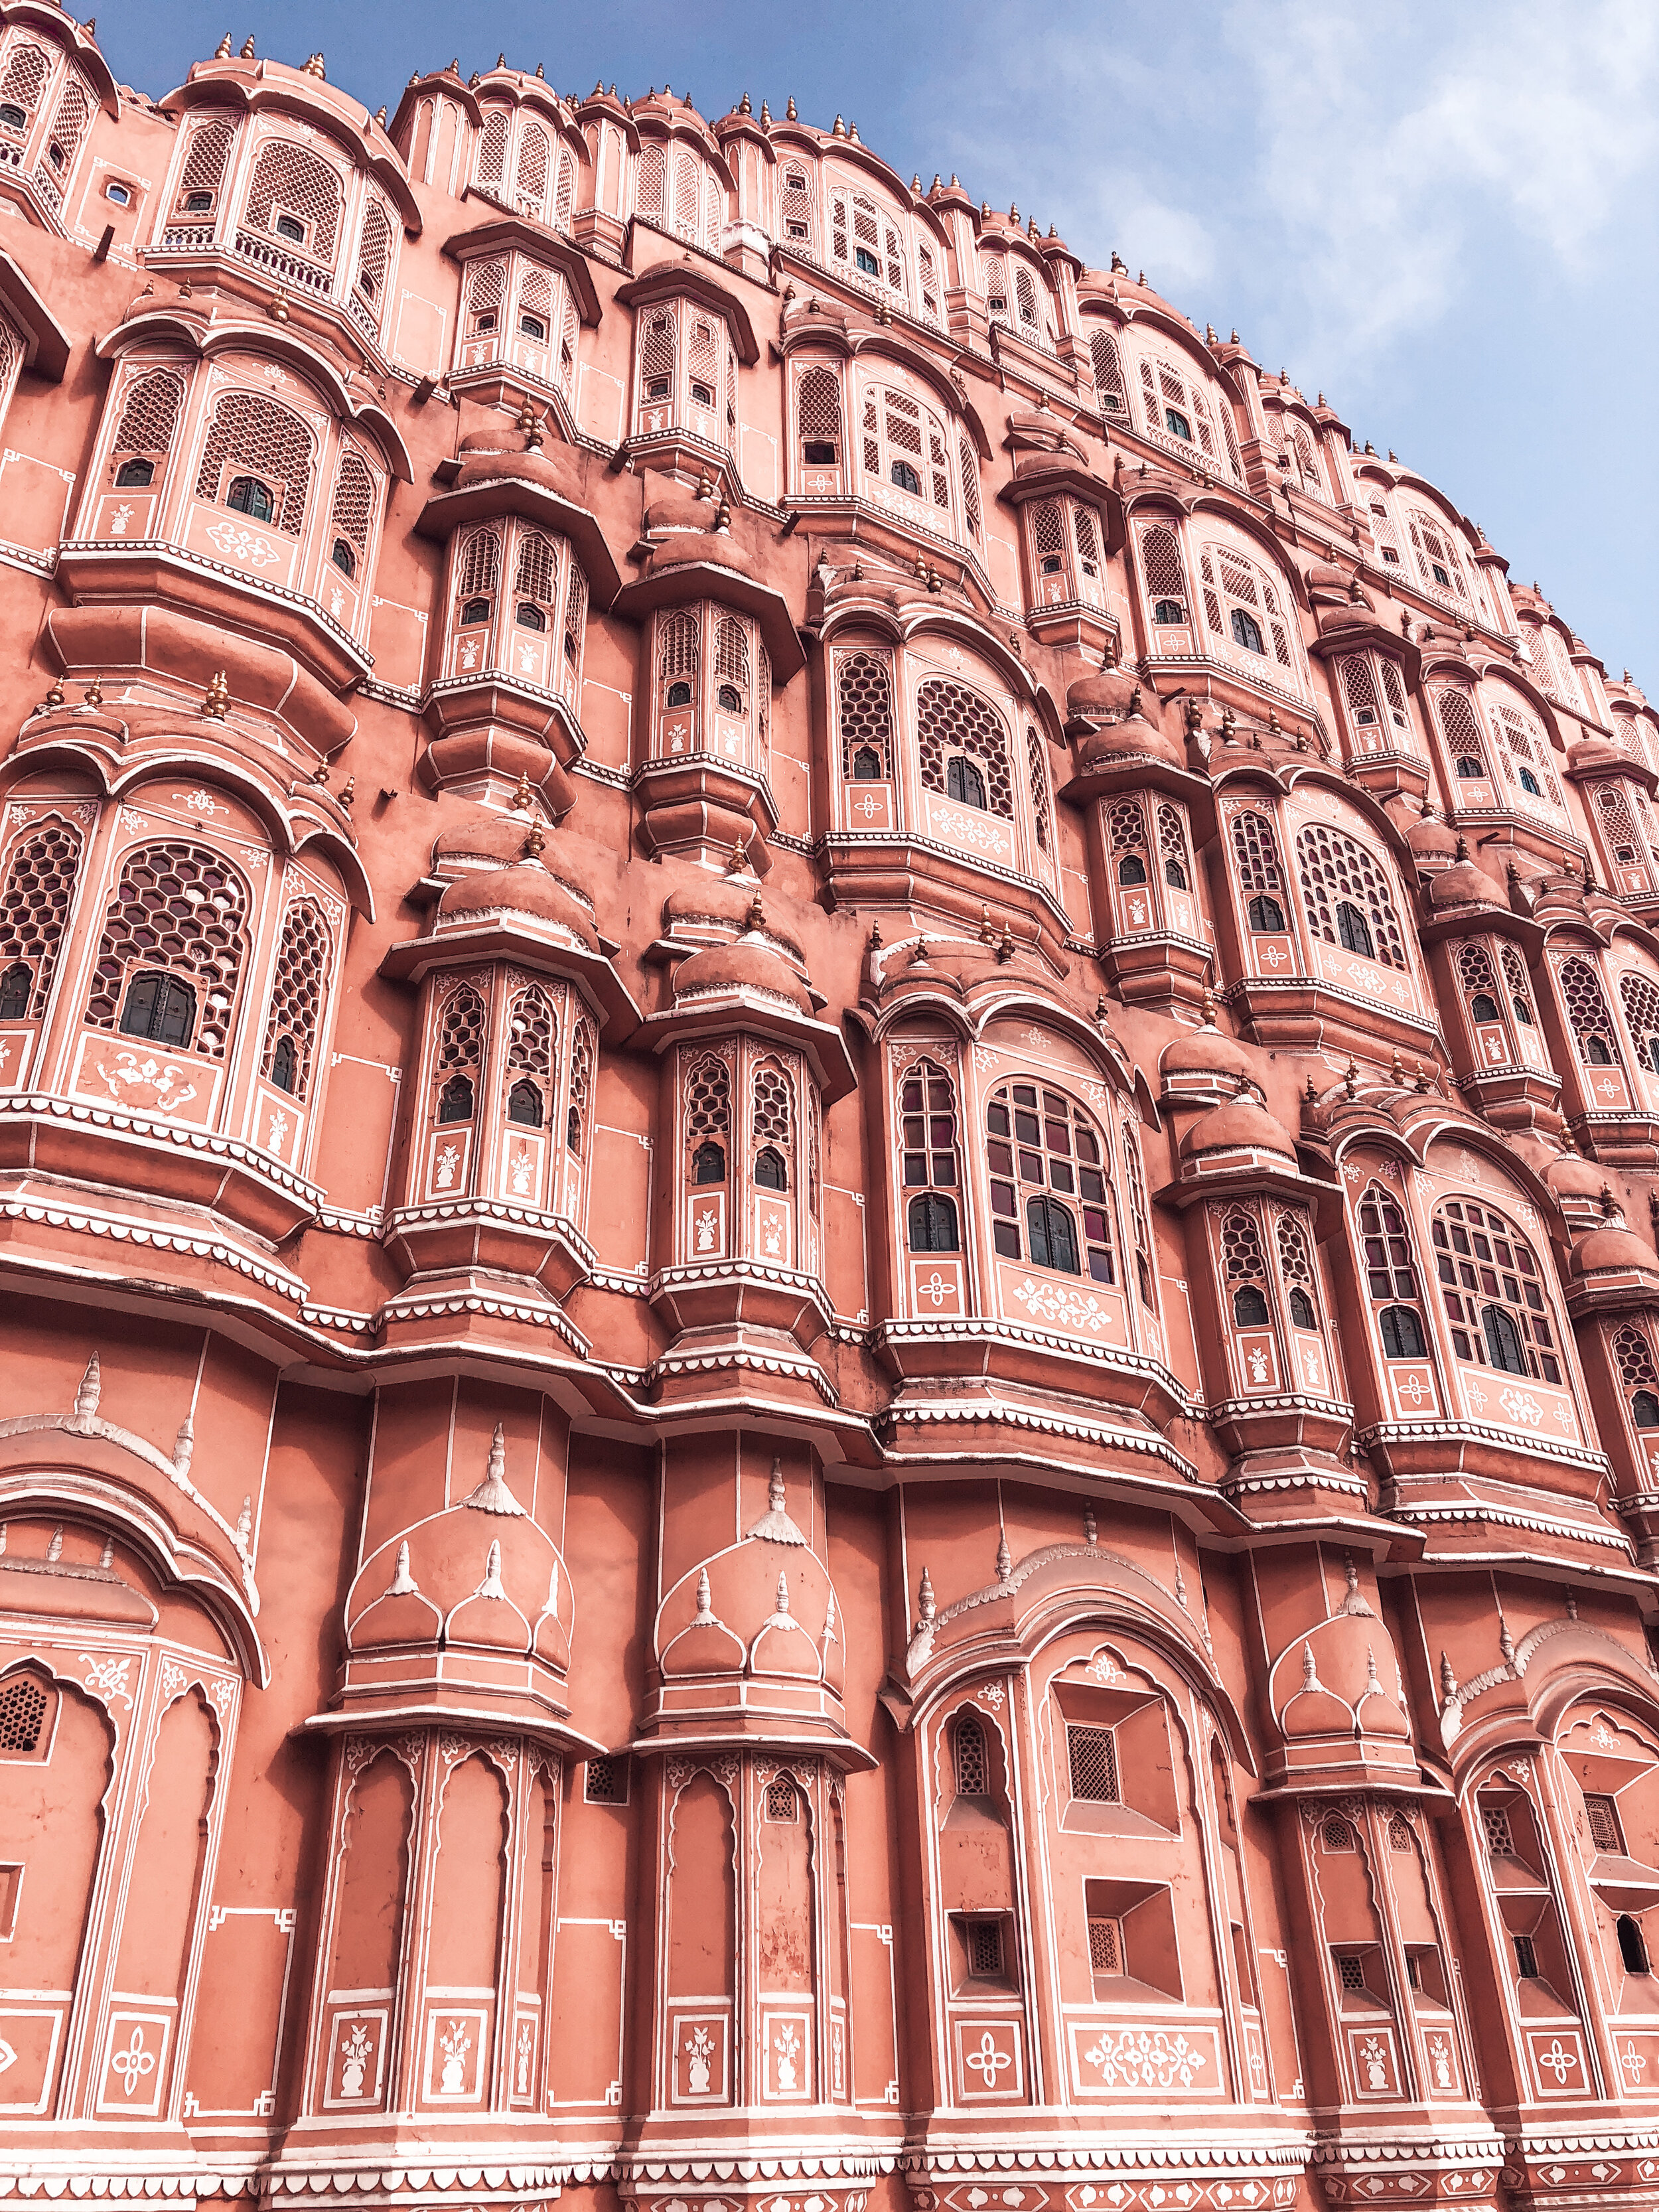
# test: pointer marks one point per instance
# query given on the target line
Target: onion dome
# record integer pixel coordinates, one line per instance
(1103, 695)
(1240, 1125)
(1132, 735)
(1570, 1177)
(1594, 753)
(726, 899)
(678, 509)
(491, 459)
(1613, 1249)
(1432, 843)
(486, 840)
(716, 546)
(755, 963)
(1465, 885)
(1203, 1059)
(528, 888)
(1327, 585)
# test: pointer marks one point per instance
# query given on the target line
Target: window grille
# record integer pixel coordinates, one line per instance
(531, 172)
(1332, 869)
(27, 68)
(1092, 1756)
(1135, 1177)
(287, 177)
(1256, 854)
(814, 1151)
(708, 1100)
(575, 620)
(950, 719)
(1037, 1140)
(730, 652)
(972, 1771)
(929, 280)
(35, 904)
(1385, 1245)
(22, 1715)
(1104, 1955)
(903, 446)
(605, 1781)
(1025, 296)
(1515, 975)
(1039, 781)
(1601, 1816)
(1126, 823)
(581, 1083)
(819, 406)
(782, 1801)
(1160, 562)
(1455, 711)
(1336, 1835)
(1046, 534)
(374, 252)
(1618, 824)
(1634, 1354)
(1296, 1262)
(461, 1031)
(530, 1031)
(486, 287)
(1437, 564)
(677, 651)
(1475, 974)
(1493, 1291)
(296, 993)
(1302, 446)
(564, 198)
(1360, 691)
(1587, 1014)
(1527, 744)
(1351, 1971)
(1500, 1842)
(491, 170)
(251, 432)
(686, 194)
(1246, 592)
(536, 575)
(773, 1105)
(75, 108)
(984, 1947)
(150, 414)
(1109, 372)
(536, 295)
(1242, 1259)
(1172, 845)
(206, 160)
(928, 1138)
(795, 207)
(479, 567)
(353, 501)
(1641, 1001)
(651, 184)
(657, 356)
(1400, 1834)
(180, 907)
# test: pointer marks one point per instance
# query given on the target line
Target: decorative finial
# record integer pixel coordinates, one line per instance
(106, 1557)
(783, 1592)
(1090, 1533)
(55, 1548)
(1351, 1080)
(221, 52)
(86, 1397)
(245, 1522)
(1573, 1605)
(492, 1494)
(348, 792)
(491, 1586)
(278, 308)
(403, 1584)
(1448, 1682)
(216, 700)
(247, 48)
(927, 1606)
(1004, 1559)
(1309, 1671)
(705, 1614)
(792, 113)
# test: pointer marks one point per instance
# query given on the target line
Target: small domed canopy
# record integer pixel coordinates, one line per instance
(1103, 695)
(528, 889)
(1132, 737)
(1465, 885)
(750, 965)
(1432, 843)
(1613, 1249)
(1594, 753)
(1204, 1055)
(1573, 1177)
(1239, 1126)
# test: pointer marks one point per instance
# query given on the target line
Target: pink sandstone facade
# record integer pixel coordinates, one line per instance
(829, 1114)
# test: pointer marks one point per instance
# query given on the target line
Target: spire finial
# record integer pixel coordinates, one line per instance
(783, 1591)
(705, 1615)
(86, 1397)
(927, 1605)
(492, 1586)
(403, 1584)
(774, 1487)
(1004, 1559)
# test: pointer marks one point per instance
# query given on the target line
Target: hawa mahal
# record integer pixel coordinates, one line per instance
(828, 1122)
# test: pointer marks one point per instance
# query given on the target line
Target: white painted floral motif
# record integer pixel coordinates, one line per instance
(786, 2045)
(108, 1677)
(1060, 1308)
(456, 2044)
(354, 2058)
(1146, 2058)
(246, 547)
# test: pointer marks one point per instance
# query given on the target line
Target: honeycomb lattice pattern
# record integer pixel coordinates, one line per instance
(251, 432)
(150, 415)
(354, 501)
(22, 1715)
(1634, 1354)
(709, 1100)
(967, 1744)
(530, 1031)
(1242, 1259)
(950, 719)
(1039, 781)
(582, 1084)
(180, 907)
(204, 164)
(296, 991)
(460, 1033)
(286, 176)
(1333, 868)
(865, 694)
(35, 904)
(775, 1118)
(1587, 1013)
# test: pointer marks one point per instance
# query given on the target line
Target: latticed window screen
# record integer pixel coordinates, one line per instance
(1336, 1834)
(1334, 870)
(149, 413)
(605, 1781)
(1385, 1244)
(1400, 1834)
(819, 404)
(984, 1947)
(1238, 599)
(1634, 1354)
(374, 252)
(707, 1103)
(486, 287)
(1172, 848)
(1351, 1969)
(1640, 995)
(576, 618)
(973, 1777)
(1109, 372)
(22, 1714)
(1025, 296)
(531, 1031)
(530, 173)
(564, 198)
(1307, 464)
(676, 646)
(1039, 781)
(27, 68)
(1601, 1818)
(903, 444)
(491, 170)
(795, 209)
(1360, 690)
(1495, 1821)
(970, 505)
(1160, 563)
(1242, 1259)
(782, 1801)
(774, 1118)
(35, 904)
(1091, 1755)
(730, 652)
(536, 575)
(1455, 712)
(1589, 1014)
(1432, 542)
(658, 353)
(1618, 824)
(577, 1113)
(461, 1031)
(353, 501)
(296, 992)
(927, 1136)
(1127, 824)
(1105, 1956)
(478, 568)
(1135, 1179)
(861, 236)
(1296, 1262)
(205, 162)
(651, 183)
(952, 720)
(1256, 854)
(1493, 1291)
(1529, 747)
(288, 179)
(75, 108)
(250, 432)
(1520, 987)
(178, 907)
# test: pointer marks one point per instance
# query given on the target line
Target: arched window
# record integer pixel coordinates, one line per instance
(1632, 1948)
(970, 505)
(1165, 583)
(1041, 1147)
(928, 1159)
(185, 896)
(1172, 845)
(864, 239)
(1391, 1275)
(250, 432)
(1437, 562)
(731, 666)
(1528, 763)
(1176, 407)
(1644, 1410)
(524, 1104)
(796, 209)
(203, 174)
(375, 254)
(1640, 997)
(531, 1032)
(709, 1163)
(971, 1769)
(1634, 1356)
(1520, 989)
(1588, 1013)
(953, 722)
(353, 511)
(35, 906)
(1244, 1268)
(708, 1119)
(1346, 895)
(864, 693)
(1260, 880)
(1243, 605)
(159, 1007)
(297, 197)
(772, 1125)
(583, 1043)
(1494, 1292)
(1109, 372)
(1454, 711)
(1132, 869)
(903, 444)
(148, 423)
(658, 352)
(1250, 1306)
(964, 782)
(1296, 1270)
(1146, 1265)
(770, 1173)
(298, 981)
(819, 418)
(460, 1054)
(536, 580)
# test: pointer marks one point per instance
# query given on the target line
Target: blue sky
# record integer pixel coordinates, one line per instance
(1443, 216)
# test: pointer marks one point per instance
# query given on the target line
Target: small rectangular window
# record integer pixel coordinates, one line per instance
(1105, 1947)
(605, 1780)
(1500, 1842)
(1526, 1959)
(11, 1883)
(984, 1942)
(1092, 1756)
(1603, 1815)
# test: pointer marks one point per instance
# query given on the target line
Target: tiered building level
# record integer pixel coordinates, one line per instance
(828, 1105)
